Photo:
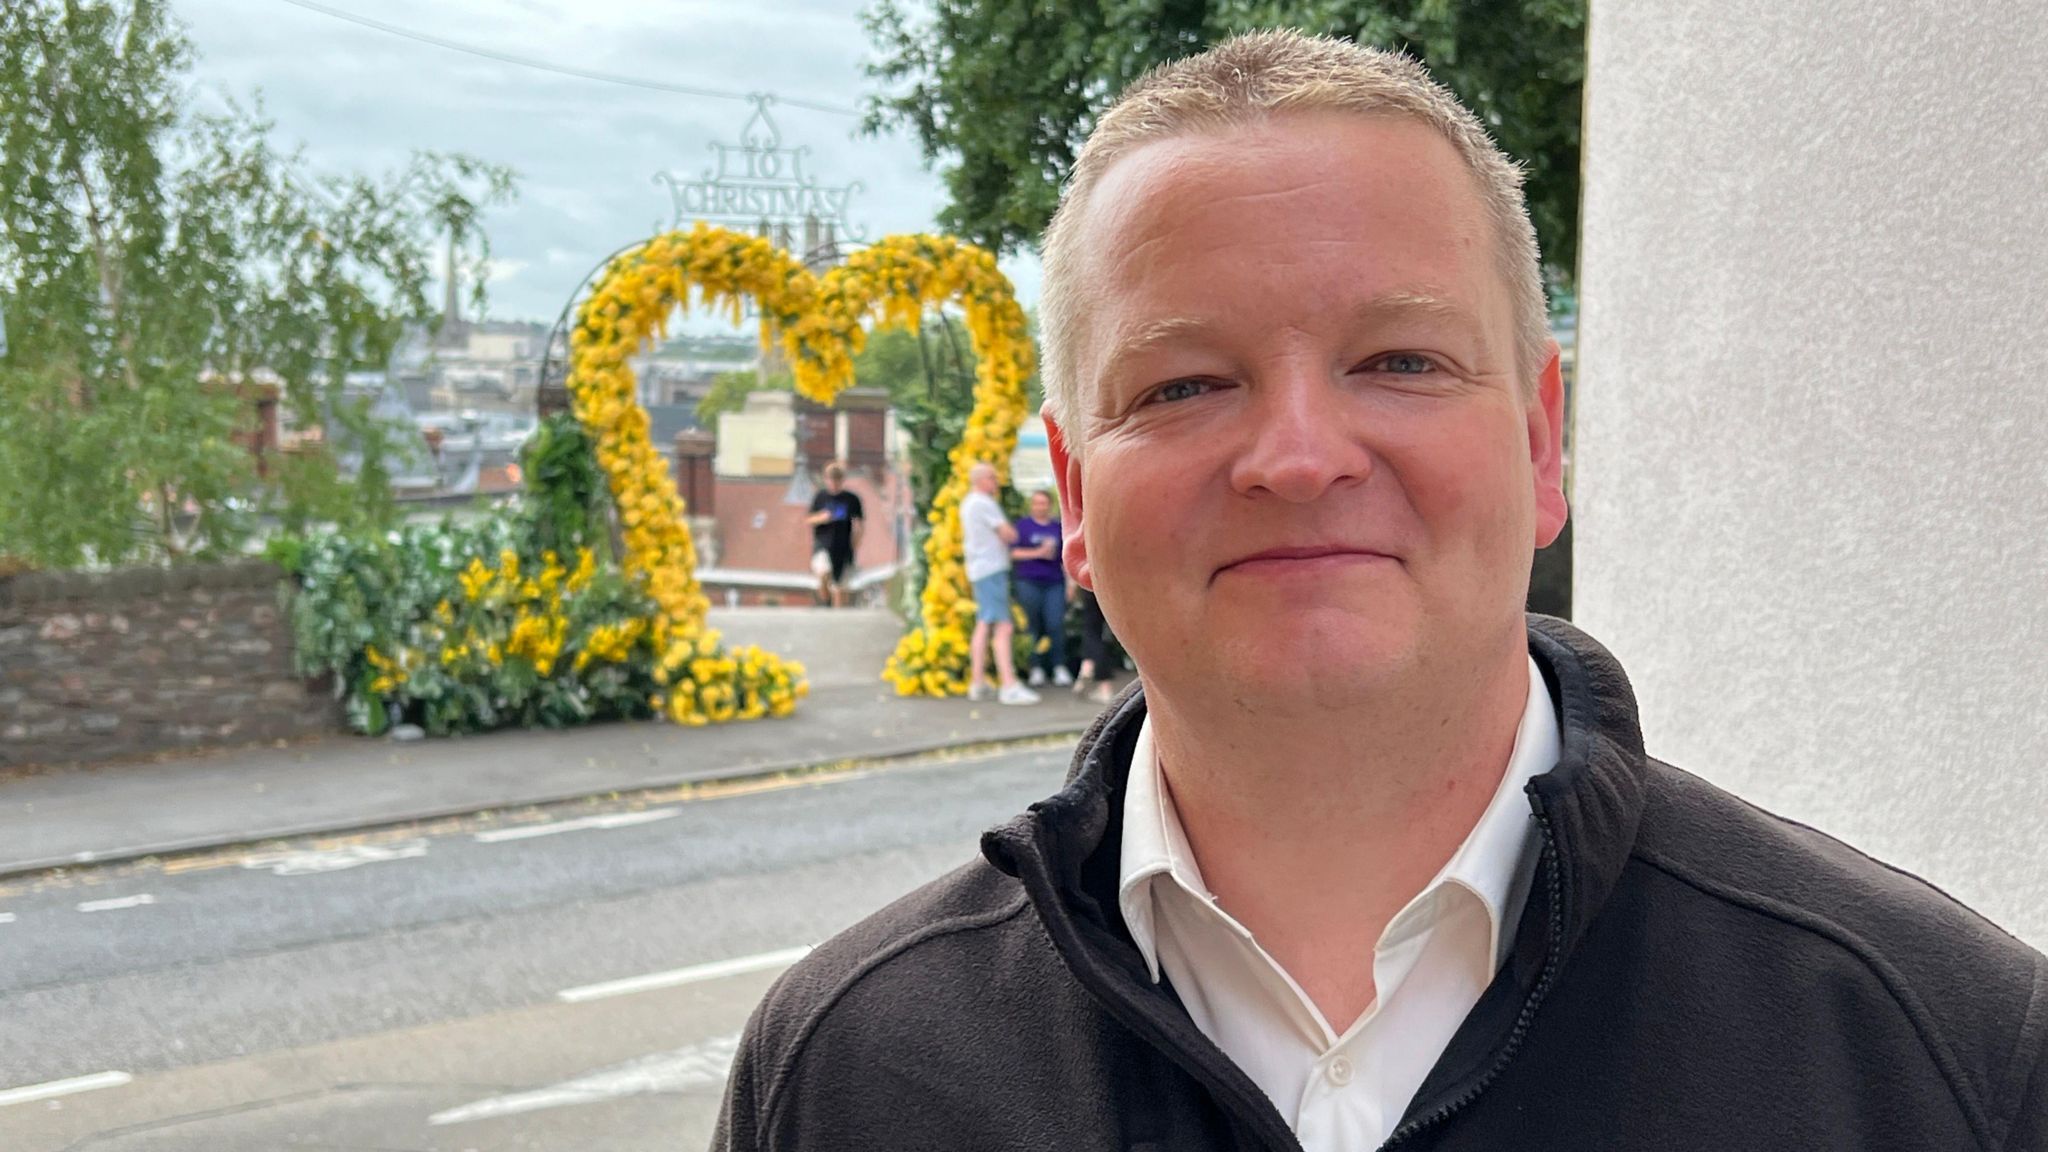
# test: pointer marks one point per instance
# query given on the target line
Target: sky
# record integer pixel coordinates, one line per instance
(359, 99)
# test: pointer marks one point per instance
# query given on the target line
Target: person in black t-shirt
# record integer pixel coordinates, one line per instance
(836, 522)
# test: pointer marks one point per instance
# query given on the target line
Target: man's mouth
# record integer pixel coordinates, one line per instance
(1303, 558)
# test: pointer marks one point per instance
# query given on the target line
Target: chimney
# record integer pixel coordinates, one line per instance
(697, 484)
(864, 427)
(817, 435)
(696, 479)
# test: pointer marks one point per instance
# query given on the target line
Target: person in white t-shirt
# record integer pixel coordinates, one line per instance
(986, 535)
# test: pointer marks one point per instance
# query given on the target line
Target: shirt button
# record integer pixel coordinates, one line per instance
(1339, 1071)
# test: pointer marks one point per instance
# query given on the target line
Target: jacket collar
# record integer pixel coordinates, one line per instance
(1065, 851)
(1066, 847)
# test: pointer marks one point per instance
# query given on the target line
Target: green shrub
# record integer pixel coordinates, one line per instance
(418, 626)
(518, 618)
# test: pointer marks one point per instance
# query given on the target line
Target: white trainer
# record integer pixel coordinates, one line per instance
(1037, 677)
(1062, 677)
(977, 691)
(1017, 694)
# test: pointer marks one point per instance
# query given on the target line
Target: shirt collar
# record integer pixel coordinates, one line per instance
(1154, 844)
(1492, 863)
(1496, 859)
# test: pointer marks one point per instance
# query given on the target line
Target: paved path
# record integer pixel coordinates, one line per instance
(350, 782)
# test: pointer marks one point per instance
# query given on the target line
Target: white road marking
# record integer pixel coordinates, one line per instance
(691, 975)
(613, 820)
(6, 917)
(312, 861)
(117, 903)
(697, 1066)
(56, 1088)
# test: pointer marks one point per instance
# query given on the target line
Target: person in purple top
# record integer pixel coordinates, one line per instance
(1041, 589)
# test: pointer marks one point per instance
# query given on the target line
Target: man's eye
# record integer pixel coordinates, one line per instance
(1401, 364)
(1180, 390)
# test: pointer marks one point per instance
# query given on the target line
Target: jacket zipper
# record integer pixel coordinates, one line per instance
(1123, 1006)
(1554, 884)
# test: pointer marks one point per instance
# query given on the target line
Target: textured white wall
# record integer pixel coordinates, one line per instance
(1812, 431)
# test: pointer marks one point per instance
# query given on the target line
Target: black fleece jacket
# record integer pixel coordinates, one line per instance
(1691, 973)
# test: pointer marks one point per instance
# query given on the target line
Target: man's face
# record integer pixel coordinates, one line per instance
(1041, 506)
(834, 482)
(1309, 463)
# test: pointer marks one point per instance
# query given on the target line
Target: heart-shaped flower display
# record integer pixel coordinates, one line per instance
(822, 322)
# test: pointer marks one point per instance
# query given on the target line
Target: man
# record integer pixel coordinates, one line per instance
(1370, 859)
(836, 524)
(985, 538)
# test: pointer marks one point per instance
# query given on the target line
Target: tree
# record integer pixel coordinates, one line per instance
(1002, 93)
(729, 392)
(929, 375)
(160, 267)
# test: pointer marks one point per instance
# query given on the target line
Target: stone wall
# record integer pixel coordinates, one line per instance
(127, 664)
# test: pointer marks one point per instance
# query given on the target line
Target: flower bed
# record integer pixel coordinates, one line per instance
(464, 628)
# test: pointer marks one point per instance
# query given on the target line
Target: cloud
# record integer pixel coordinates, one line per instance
(586, 152)
(497, 271)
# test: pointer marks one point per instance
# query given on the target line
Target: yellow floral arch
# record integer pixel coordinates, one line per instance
(823, 324)
(702, 681)
(895, 282)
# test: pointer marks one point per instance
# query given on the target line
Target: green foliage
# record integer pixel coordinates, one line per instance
(1004, 92)
(929, 375)
(567, 497)
(161, 267)
(515, 618)
(729, 392)
(464, 628)
(356, 590)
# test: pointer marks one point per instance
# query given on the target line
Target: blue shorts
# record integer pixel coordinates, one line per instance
(992, 599)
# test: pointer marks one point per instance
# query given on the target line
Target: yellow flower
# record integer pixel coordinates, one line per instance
(475, 579)
(586, 568)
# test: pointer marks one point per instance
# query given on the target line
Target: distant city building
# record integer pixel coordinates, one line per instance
(748, 488)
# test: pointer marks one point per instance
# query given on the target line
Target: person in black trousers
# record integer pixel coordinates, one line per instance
(1095, 665)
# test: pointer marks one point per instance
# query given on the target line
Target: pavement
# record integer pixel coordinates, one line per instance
(346, 782)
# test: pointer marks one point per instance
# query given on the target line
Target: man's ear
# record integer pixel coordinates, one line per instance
(1073, 534)
(1546, 450)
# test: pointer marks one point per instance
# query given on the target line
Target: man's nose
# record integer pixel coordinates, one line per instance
(1301, 440)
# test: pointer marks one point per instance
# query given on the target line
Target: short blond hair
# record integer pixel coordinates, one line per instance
(1238, 82)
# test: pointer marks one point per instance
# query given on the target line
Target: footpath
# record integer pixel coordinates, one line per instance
(347, 782)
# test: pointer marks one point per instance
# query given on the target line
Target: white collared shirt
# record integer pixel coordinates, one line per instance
(1435, 958)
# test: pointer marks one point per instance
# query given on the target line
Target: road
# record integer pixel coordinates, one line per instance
(567, 978)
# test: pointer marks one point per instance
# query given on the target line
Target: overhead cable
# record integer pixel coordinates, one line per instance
(564, 69)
